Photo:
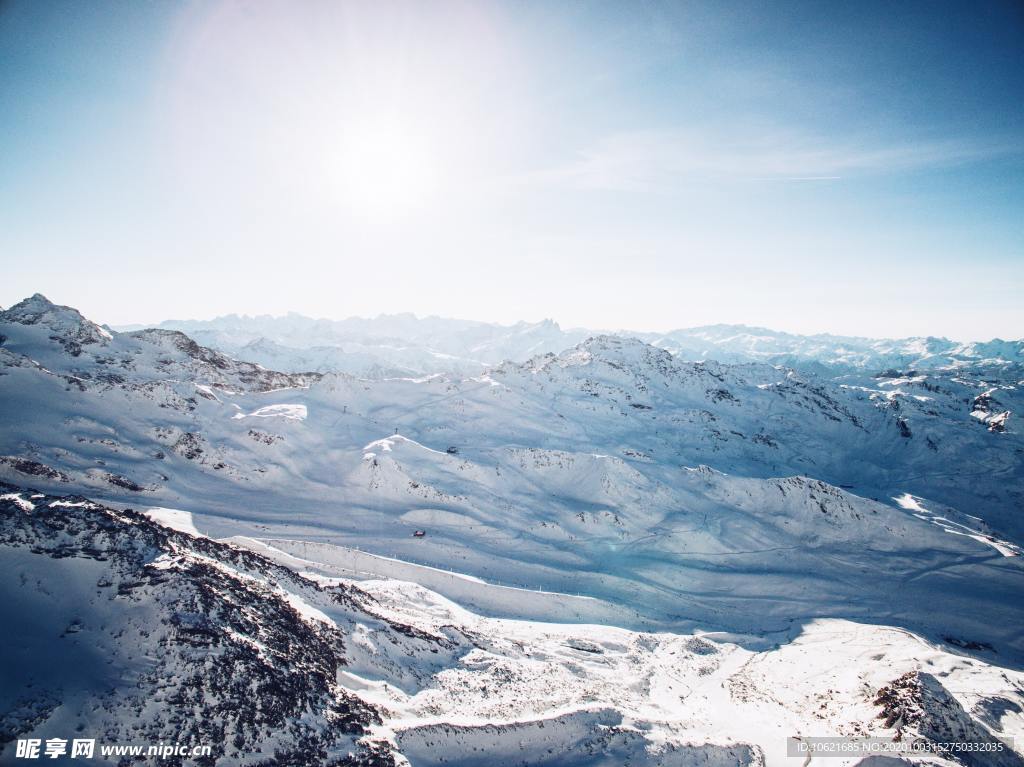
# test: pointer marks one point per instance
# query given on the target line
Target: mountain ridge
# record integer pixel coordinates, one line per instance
(701, 521)
(367, 346)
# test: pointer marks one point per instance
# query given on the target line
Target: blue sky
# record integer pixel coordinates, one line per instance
(849, 168)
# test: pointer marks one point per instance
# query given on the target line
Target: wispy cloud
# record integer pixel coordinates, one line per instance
(654, 159)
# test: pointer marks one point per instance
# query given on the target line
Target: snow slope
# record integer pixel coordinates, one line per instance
(130, 632)
(386, 672)
(569, 473)
(613, 484)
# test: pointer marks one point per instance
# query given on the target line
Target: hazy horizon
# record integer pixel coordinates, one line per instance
(129, 326)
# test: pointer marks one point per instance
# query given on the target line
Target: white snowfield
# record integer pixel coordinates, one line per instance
(528, 689)
(954, 523)
(570, 476)
(321, 560)
(453, 687)
(829, 533)
(677, 699)
(294, 412)
(174, 519)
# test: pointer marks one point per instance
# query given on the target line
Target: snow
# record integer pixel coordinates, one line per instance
(306, 610)
(526, 505)
(174, 519)
(337, 561)
(675, 689)
(539, 668)
(388, 443)
(18, 500)
(964, 524)
(389, 347)
(208, 390)
(166, 562)
(290, 411)
(570, 561)
(907, 501)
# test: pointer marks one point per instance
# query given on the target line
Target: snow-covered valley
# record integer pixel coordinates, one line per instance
(606, 553)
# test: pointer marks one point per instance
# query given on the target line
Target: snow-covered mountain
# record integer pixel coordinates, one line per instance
(59, 338)
(161, 621)
(387, 346)
(745, 528)
(194, 641)
(835, 354)
(403, 345)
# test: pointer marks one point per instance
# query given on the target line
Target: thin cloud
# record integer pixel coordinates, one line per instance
(650, 160)
(799, 178)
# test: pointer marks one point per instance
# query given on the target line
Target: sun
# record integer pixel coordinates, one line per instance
(385, 168)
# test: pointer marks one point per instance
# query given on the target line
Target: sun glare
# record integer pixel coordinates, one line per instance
(385, 168)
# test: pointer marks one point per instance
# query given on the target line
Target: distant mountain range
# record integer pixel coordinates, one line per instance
(402, 345)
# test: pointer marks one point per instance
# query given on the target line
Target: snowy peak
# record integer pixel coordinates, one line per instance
(632, 366)
(612, 351)
(38, 308)
(174, 340)
(65, 343)
(66, 325)
(619, 349)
